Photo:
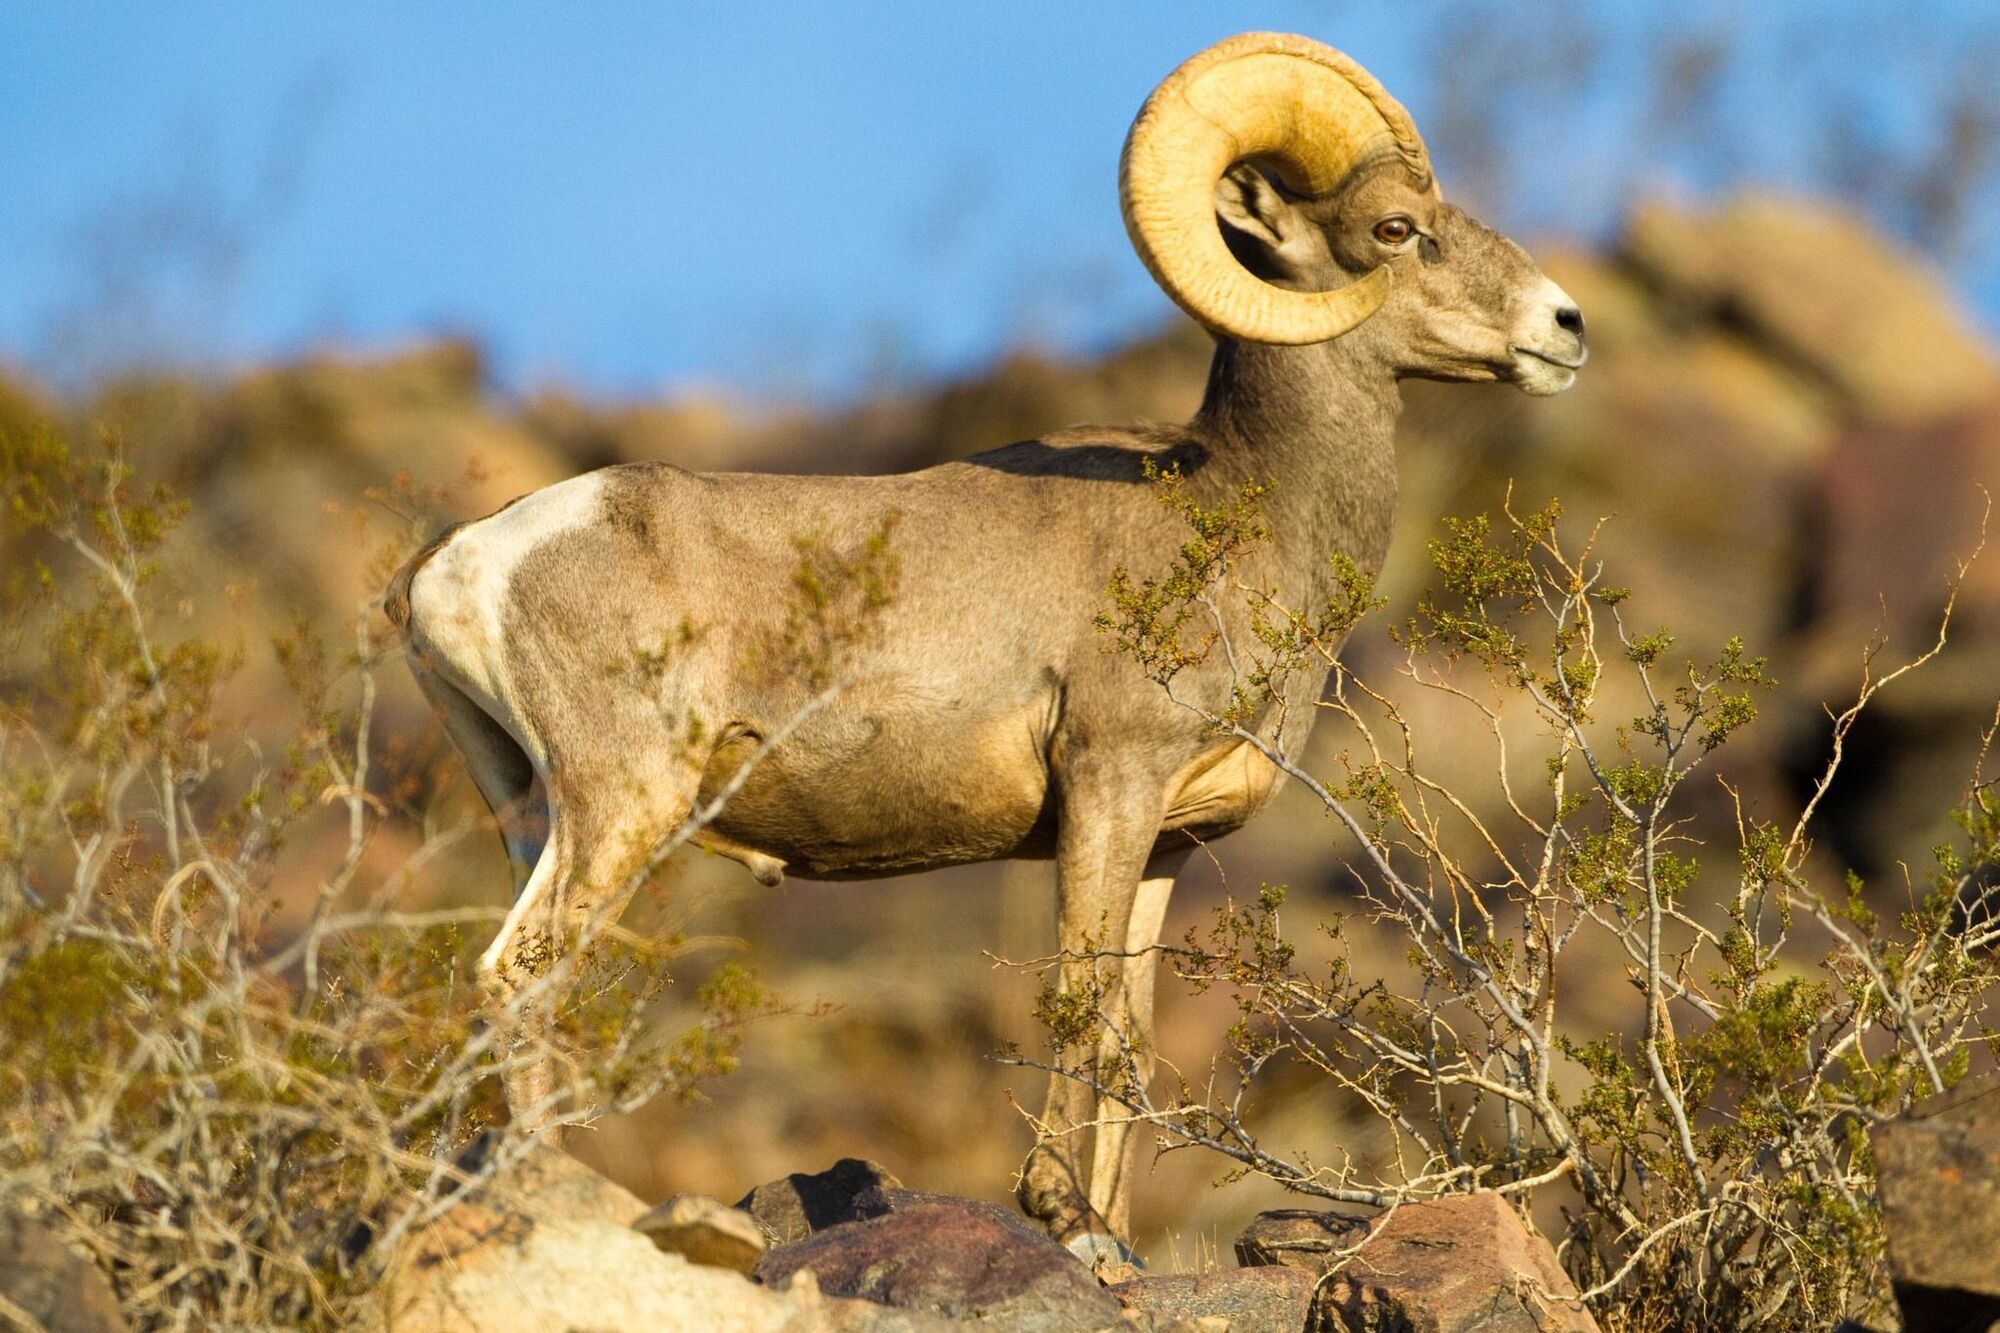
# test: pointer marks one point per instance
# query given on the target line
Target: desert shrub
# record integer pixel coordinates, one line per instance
(1709, 1155)
(233, 1081)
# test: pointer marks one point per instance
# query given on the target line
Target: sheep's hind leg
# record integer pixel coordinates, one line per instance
(603, 829)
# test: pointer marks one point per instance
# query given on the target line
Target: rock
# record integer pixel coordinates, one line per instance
(793, 1208)
(705, 1231)
(1245, 1300)
(1295, 1238)
(44, 1279)
(1897, 508)
(1115, 1272)
(951, 1258)
(1938, 1172)
(549, 1244)
(880, 1202)
(1452, 1265)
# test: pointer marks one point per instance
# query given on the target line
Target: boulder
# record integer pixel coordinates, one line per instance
(950, 1258)
(549, 1244)
(881, 1201)
(1938, 1173)
(1896, 509)
(705, 1231)
(1244, 1300)
(1458, 1264)
(1296, 1238)
(793, 1208)
(44, 1279)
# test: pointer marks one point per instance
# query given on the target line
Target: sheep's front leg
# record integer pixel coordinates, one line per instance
(1103, 840)
(1125, 1049)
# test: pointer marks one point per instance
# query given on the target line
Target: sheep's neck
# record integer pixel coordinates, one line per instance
(1320, 423)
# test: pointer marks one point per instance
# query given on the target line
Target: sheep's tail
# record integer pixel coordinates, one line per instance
(396, 598)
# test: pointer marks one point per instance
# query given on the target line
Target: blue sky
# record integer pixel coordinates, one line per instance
(791, 199)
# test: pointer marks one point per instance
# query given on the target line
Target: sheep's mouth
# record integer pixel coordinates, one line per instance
(1542, 373)
(1571, 366)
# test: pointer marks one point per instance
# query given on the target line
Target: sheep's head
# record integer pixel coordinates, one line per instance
(1280, 195)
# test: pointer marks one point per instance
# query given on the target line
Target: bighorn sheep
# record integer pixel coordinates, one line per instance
(1283, 199)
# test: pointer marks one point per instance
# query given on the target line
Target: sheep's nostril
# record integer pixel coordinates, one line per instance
(1570, 320)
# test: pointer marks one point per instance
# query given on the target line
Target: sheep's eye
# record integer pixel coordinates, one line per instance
(1394, 231)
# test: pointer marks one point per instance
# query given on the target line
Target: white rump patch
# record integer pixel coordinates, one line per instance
(458, 600)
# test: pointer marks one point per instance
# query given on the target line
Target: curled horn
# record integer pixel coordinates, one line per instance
(1299, 107)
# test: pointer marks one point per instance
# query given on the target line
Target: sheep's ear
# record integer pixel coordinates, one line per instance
(1257, 217)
